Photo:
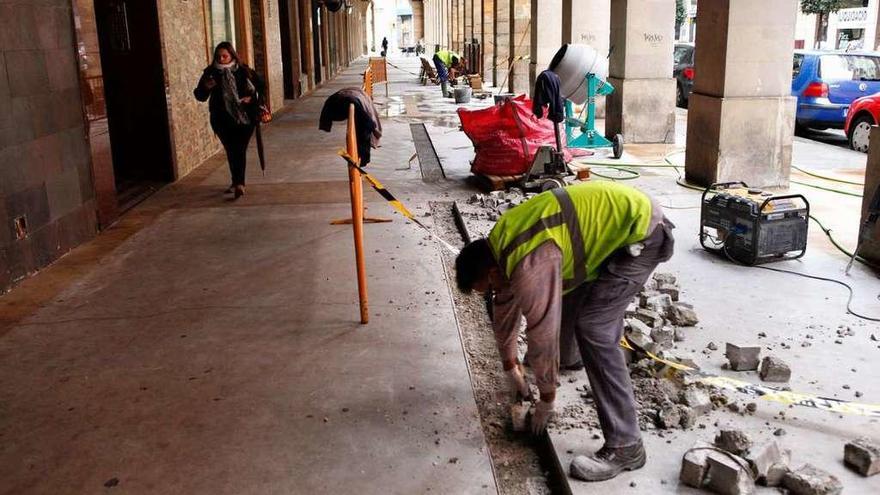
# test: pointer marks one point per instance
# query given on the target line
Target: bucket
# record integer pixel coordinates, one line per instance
(501, 97)
(462, 95)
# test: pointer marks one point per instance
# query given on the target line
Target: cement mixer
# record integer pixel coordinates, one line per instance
(583, 74)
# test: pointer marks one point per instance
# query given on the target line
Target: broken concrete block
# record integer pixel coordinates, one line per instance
(640, 340)
(679, 335)
(810, 480)
(637, 325)
(659, 303)
(733, 441)
(682, 314)
(669, 416)
(651, 318)
(762, 457)
(694, 464)
(775, 475)
(688, 417)
(670, 290)
(742, 358)
(664, 337)
(696, 399)
(862, 456)
(644, 296)
(774, 369)
(664, 278)
(728, 475)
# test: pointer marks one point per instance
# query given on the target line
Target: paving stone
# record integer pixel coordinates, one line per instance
(775, 475)
(659, 303)
(682, 314)
(669, 289)
(862, 456)
(774, 369)
(733, 441)
(743, 358)
(728, 475)
(762, 457)
(669, 416)
(664, 278)
(651, 318)
(694, 464)
(810, 480)
(697, 399)
(664, 337)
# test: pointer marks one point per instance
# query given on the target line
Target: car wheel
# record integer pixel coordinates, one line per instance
(859, 133)
(679, 96)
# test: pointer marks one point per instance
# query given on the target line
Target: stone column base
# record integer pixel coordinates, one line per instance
(745, 139)
(870, 250)
(643, 110)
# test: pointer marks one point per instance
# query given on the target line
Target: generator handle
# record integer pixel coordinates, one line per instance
(785, 196)
(723, 185)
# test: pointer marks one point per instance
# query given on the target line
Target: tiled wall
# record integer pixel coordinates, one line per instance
(45, 176)
(184, 46)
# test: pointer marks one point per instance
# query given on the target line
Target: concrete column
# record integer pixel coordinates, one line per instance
(488, 40)
(501, 20)
(468, 20)
(741, 113)
(588, 22)
(418, 8)
(520, 45)
(642, 107)
(546, 36)
(870, 250)
(478, 30)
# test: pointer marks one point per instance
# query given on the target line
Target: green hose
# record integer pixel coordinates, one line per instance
(813, 174)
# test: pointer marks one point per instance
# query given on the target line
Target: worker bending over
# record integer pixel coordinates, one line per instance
(572, 258)
(448, 63)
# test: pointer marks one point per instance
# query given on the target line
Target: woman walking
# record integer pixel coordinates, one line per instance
(235, 94)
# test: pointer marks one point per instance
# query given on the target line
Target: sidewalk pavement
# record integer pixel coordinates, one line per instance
(208, 346)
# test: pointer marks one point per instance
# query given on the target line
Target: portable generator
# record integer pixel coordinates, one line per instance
(752, 226)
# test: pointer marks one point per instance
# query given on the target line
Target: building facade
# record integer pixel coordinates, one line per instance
(96, 105)
(855, 27)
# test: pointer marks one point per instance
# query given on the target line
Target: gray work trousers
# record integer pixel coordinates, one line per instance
(592, 316)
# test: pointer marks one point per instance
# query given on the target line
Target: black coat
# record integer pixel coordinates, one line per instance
(220, 118)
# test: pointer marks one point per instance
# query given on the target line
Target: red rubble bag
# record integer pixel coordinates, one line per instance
(506, 136)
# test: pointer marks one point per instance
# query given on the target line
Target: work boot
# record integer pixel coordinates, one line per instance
(444, 88)
(608, 462)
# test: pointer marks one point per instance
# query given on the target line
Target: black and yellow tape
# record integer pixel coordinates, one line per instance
(764, 392)
(394, 202)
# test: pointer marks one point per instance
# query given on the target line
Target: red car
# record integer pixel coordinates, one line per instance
(863, 113)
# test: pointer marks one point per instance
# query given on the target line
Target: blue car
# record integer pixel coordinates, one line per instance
(826, 82)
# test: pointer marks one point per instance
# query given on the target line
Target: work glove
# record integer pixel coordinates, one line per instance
(541, 415)
(517, 384)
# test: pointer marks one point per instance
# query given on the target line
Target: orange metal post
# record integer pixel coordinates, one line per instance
(356, 188)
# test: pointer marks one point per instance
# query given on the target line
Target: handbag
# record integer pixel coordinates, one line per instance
(265, 114)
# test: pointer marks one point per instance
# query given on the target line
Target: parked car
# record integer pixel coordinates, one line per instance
(826, 83)
(863, 113)
(683, 72)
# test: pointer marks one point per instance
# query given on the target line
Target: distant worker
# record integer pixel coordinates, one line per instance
(384, 46)
(448, 63)
(571, 260)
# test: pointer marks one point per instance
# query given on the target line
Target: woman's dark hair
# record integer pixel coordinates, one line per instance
(225, 45)
(473, 264)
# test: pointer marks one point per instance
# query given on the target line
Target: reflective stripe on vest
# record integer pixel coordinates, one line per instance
(614, 216)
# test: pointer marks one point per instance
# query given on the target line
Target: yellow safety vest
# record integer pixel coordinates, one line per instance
(588, 222)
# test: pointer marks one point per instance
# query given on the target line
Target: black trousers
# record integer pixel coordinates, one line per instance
(235, 139)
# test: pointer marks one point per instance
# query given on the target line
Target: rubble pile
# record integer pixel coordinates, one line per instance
(655, 320)
(735, 464)
(497, 202)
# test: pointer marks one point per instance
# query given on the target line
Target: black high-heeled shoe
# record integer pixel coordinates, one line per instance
(239, 191)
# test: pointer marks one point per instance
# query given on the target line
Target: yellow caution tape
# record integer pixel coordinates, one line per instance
(394, 202)
(764, 392)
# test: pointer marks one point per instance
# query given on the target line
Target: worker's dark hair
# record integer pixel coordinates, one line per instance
(473, 264)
